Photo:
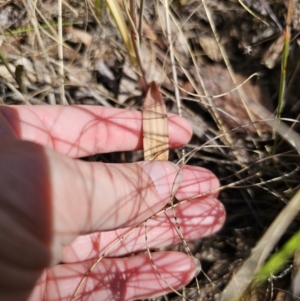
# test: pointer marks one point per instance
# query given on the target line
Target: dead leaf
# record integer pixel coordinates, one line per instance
(79, 36)
(272, 55)
(155, 125)
(211, 48)
(232, 111)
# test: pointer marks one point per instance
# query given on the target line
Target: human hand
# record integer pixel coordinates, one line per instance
(56, 209)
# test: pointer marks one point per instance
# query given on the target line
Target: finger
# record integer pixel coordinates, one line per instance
(196, 219)
(79, 131)
(106, 196)
(197, 182)
(117, 279)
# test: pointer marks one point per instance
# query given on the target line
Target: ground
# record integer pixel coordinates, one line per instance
(229, 138)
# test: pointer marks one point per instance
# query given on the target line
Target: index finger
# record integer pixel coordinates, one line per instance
(79, 131)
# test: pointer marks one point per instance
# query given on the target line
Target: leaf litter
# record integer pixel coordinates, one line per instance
(256, 183)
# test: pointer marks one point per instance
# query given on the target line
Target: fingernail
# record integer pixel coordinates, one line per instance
(166, 176)
(198, 265)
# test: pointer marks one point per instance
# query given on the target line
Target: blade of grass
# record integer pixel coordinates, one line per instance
(155, 125)
(172, 58)
(61, 55)
(251, 12)
(244, 276)
(123, 30)
(98, 6)
(278, 260)
(136, 43)
(285, 54)
(31, 9)
(142, 5)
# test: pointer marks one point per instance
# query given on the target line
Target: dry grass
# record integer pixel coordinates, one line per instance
(71, 52)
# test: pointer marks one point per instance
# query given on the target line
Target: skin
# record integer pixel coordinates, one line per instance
(59, 214)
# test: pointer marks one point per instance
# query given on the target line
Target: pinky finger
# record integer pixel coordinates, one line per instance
(116, 278)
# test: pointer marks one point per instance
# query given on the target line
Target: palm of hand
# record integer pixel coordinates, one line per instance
(73, 223)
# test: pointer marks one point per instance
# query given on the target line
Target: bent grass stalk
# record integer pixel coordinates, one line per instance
(284, 62)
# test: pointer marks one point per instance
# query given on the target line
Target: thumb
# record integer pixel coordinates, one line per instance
(48, 199)
(6, 129)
